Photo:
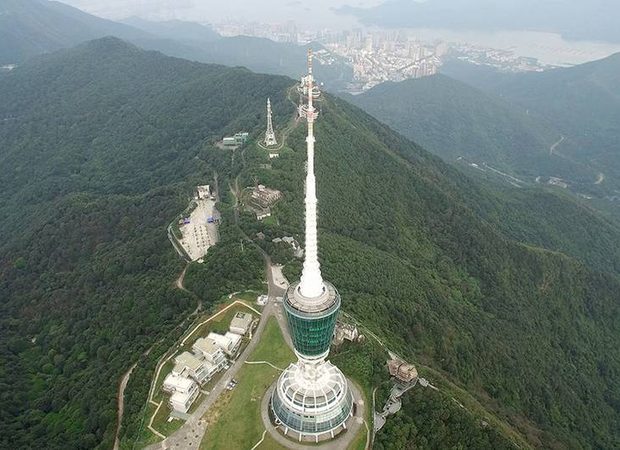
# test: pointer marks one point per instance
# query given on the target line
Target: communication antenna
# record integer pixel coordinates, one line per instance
(270, 136)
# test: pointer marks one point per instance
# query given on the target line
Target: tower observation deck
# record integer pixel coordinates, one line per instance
(312, 398)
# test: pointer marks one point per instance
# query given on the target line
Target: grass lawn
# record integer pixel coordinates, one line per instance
(218, 325)
(160, 422)
(359, 443)
(158, 394)
(271, 220)
(249, 297)
(145, 437)
(235, 417)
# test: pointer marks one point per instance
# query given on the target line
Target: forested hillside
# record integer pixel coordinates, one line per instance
(33, 27)
(102, 146)
(100, 150)
(582, 102)
(532, 334)
(190, 32)
(461, 123)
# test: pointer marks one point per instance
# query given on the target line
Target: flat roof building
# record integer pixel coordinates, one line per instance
(241, 137)
(235, 339)
(182, 402)
(177, 383)
(229, 141)
(184, 391)
(210, 351)
(241, 323)
(229, 343)
(187, 364)
(203, 191)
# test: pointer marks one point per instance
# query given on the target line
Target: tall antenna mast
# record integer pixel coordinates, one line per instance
(311, 399)
(270, 136)
(311, 285)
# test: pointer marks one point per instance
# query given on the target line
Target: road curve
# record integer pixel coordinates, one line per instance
(121, 405)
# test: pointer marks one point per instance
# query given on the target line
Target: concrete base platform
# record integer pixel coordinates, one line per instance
(341, 438)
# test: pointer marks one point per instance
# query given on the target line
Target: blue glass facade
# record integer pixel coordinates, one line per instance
(322, 406)
(312, 332)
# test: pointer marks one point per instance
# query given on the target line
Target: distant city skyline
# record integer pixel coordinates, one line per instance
(549, 48)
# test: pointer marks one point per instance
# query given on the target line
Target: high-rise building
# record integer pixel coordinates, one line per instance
(312, 398)
(270, 136)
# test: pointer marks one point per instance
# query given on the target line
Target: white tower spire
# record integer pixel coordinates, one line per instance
(270, 136)
(311, 285)
(312, 399)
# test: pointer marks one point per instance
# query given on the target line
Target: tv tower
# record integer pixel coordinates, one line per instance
(270, 136)
(312, 398)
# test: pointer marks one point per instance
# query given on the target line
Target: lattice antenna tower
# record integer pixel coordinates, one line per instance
(270, 136)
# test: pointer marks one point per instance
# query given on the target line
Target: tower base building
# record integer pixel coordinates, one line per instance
(312, 399)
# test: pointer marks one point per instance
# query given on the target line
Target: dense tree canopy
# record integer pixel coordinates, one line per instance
(407, 241)
(101, 148)
(101, 152)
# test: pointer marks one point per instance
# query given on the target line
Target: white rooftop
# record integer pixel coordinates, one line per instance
(241, 320)
(188, 360)
(234, 337)
(206, 345)
(178, 383)
(227, 342)
(182, 398)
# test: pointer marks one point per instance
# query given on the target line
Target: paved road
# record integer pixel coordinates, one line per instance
(189, 436)
(121, 405)
(554, 146)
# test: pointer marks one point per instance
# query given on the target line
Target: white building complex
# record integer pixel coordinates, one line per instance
(210, 351)
(241, 323)
(189, 365)
(229, 342)
(312, 398)
(210, 355)
(184, 391)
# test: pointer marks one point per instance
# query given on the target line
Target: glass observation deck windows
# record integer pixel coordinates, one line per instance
(312, 396)
(312, 332)
(312, 423)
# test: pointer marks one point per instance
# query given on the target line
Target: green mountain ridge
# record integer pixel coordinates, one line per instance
(87, 270)
(466, 126)
(454, 120)
(106, 141)
(190, 32)
(582, 102)
(33, 27)
(445, 287)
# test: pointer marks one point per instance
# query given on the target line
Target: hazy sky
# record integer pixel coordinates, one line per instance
(313, 12)
(549, 48)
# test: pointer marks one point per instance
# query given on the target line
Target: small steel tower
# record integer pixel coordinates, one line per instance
(270, 136)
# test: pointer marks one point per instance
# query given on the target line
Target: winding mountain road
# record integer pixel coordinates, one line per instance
(555, 146)
(121, 404)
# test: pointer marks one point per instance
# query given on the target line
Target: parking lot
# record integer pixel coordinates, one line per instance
(200, 232)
